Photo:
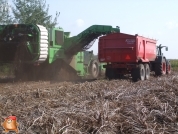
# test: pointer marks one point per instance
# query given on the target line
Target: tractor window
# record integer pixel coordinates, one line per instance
(59, 37)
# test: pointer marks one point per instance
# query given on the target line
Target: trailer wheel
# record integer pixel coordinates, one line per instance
(168, 67)
(138, 73)
(135, 74)
(147, 71)
(94, 69)
(109, 73)
(141, 72)
(161, 68)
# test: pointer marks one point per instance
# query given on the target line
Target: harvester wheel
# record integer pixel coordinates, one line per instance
(147, 71)
(161, 68)
(168, 67)
(94, 69)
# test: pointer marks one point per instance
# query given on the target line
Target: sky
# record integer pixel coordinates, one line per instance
(156, 19)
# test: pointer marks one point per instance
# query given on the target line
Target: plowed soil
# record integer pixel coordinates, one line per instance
(95, 107)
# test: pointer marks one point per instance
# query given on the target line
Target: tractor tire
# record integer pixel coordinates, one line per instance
(94, 69)
(147, 71)
(168, 67)
(161, 68)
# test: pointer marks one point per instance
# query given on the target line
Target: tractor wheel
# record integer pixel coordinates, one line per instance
(161, 68)
(94, 69)
(168, 68)
(147, 71)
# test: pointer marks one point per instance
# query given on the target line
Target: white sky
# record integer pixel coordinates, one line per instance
(157, 19)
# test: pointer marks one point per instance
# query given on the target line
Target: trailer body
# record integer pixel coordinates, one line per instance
(124, 48)
(125, 53)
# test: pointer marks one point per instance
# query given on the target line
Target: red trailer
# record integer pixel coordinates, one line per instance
(132, 54)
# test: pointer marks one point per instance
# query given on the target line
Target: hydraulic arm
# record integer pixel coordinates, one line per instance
(85, 39)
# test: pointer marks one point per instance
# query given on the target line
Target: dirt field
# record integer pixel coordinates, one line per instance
(101, 106)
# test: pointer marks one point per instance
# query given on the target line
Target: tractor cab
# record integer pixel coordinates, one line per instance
(159, 50)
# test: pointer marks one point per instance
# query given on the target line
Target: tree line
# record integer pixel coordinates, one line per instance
(27, 12)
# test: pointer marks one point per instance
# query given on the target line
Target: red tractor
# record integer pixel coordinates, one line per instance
(131, 54)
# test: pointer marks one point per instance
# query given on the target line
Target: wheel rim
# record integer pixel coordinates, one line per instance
(164, 67)
(142, 74)
(147, 71)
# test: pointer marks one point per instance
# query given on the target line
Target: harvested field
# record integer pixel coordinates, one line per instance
(101, 106)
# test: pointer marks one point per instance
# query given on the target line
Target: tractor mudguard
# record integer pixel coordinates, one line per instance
(159, 59)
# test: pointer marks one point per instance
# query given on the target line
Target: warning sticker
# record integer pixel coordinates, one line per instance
(127, 57)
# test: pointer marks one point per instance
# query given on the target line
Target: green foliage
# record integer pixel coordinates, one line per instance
(5, 17)
(33, 12)
(174, 64)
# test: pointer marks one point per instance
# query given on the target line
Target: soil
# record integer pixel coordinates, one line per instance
(92, 107)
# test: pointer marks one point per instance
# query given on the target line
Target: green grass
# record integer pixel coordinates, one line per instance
(174, 64)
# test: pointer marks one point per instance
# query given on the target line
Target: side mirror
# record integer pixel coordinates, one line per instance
(166, 48)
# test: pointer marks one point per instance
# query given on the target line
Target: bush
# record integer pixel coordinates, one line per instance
(174, 64)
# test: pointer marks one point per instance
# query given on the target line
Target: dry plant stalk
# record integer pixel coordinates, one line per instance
(98, 107)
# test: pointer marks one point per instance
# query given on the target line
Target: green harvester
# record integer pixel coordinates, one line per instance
(40, 52)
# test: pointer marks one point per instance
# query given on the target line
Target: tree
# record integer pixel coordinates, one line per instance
(5, 17)
(33, 12)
